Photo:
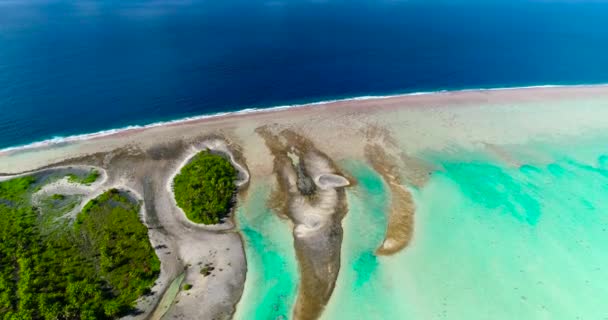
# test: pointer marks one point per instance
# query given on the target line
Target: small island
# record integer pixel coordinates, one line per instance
(205, 187)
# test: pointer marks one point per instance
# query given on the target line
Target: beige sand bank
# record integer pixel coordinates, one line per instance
(417, 122)
(406, 129)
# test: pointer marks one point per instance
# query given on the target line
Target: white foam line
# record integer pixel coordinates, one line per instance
(103, 133)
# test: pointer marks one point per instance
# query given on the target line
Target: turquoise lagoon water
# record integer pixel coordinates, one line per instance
(272, 275)
(492, 242)
(359, 281)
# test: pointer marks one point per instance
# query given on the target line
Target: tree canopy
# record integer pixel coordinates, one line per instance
(93, 269)
(204, 188)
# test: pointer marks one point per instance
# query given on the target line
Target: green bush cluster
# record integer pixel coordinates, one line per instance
(204, 188)
(95, 269)
(91, 177)
(57, 197)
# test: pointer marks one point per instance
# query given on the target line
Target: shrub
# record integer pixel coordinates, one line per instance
(62, 274)
(57, 196)
(91, 177)
(204, 188)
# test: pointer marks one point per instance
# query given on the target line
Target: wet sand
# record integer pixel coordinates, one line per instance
(413, 127)
(400, 228)
(310, 192)
(418, 122)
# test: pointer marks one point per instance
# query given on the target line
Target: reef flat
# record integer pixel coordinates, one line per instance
(363, 191)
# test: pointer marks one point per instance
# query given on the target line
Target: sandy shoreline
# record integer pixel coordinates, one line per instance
(408, 129)
(412, 99)
(341, 111)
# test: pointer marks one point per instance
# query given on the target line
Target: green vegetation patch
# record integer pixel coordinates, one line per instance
(53, 210)
(57, 197)
(204, 188)
(94, 269)
(91, 177)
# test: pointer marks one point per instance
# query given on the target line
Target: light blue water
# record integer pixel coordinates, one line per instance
(491, 242)
(272, 275)
(364, 226)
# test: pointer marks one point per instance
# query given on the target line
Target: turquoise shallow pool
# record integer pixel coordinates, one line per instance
(272, 276)
(492, 242)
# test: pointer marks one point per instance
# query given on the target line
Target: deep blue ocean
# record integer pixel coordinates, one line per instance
(72, 67)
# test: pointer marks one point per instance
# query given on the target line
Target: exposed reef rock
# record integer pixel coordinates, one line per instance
(310, 192)
(305, 184)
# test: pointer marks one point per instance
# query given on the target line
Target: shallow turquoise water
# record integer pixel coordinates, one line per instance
(510, 242)
(491, 242)
(272, 276)
(359, 281)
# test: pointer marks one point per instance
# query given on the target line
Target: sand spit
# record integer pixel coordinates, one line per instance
(396, 169)
(310, 191)
(400, 228)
